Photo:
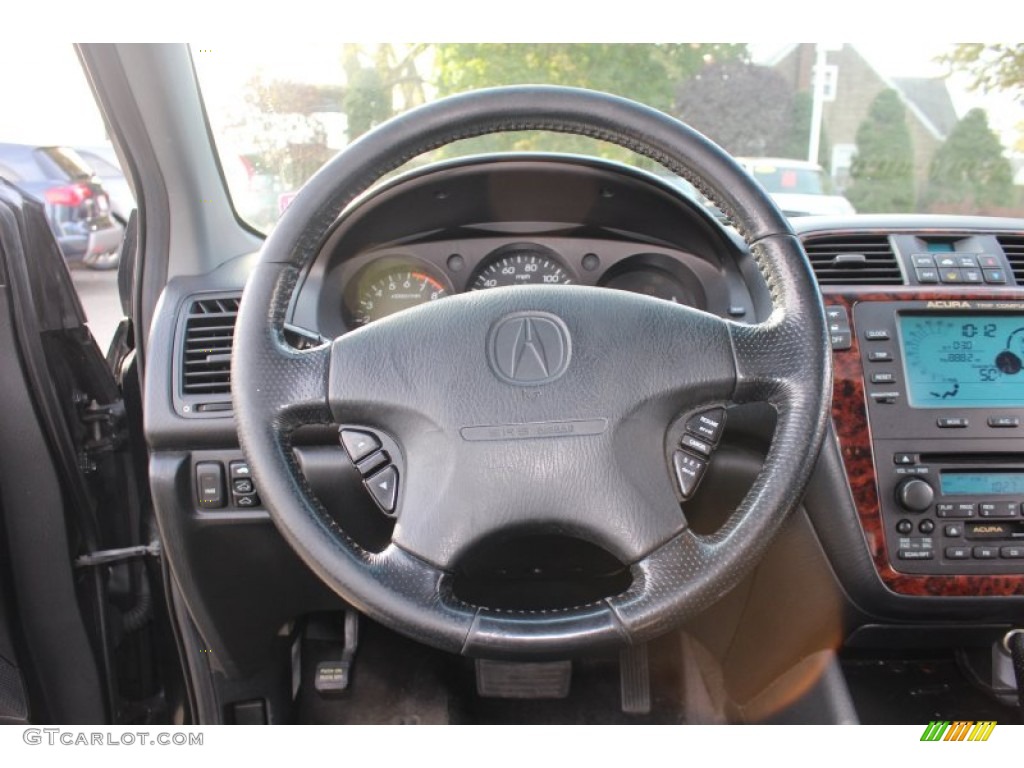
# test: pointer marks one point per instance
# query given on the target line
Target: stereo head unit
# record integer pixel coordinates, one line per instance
(944, 384)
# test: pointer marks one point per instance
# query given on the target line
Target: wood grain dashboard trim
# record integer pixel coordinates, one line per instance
(849, 414)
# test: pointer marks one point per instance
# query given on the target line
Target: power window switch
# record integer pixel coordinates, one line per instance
(210, 484)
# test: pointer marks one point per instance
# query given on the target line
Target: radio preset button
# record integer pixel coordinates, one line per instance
(998, 509)
(954, 510)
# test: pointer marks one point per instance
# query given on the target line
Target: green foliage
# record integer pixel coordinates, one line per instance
(883, 170)
(743, 107)
(993, 66)
(381, 80)
(798, 139)
(645, 72)
(969, 169)
(367, 100)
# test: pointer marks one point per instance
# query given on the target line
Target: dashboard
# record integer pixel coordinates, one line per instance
(916, 508)
(519, 221)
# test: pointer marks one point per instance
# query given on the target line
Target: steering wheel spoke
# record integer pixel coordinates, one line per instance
(292, 387)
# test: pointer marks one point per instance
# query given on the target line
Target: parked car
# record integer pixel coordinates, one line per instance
(798, 187)
(104, 161)
(78, 206)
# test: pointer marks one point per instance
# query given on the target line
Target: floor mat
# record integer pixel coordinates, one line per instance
(917, 690)
(398, 681)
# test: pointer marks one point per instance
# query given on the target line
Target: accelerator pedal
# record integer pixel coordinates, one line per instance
(635, 680)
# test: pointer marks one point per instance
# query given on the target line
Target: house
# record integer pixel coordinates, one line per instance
(852, 83)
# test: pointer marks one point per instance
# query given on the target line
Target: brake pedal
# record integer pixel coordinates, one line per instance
(333, 677)
(635, 680)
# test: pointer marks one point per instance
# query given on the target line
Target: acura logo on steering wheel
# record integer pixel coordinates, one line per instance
(529, 348)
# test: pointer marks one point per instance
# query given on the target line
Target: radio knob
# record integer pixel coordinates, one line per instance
(915, 494)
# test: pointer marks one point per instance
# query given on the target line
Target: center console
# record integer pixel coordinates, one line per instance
(943, 383)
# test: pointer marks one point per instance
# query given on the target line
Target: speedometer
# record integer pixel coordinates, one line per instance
(524, 264)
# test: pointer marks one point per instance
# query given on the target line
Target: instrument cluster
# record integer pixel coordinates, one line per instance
(379, 284)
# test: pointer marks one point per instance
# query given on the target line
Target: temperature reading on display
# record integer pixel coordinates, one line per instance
(963, 361)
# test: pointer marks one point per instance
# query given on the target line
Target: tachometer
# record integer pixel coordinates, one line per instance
(391, 291)
(523, 264)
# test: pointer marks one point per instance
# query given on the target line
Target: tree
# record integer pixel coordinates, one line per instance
(798, 139)
(993, 66)
(287, 136)
(744, 107)
(644, 72)
(381, 81)
(969, 169)
(883, 169)
(290, 139)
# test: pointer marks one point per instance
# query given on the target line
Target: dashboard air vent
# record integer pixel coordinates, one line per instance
(1013, 247)
(853, 259)
(206, 351)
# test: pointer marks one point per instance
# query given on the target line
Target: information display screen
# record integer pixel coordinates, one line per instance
(963, 361)
(982, 483)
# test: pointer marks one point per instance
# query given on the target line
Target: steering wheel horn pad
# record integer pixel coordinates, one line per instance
(561, 429)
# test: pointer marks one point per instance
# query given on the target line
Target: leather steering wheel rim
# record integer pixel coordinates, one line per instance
(784, 361)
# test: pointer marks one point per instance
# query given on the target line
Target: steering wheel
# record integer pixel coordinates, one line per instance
(576, 445)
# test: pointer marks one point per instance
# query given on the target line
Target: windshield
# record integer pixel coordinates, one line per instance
(932, 129)
(788, 180)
